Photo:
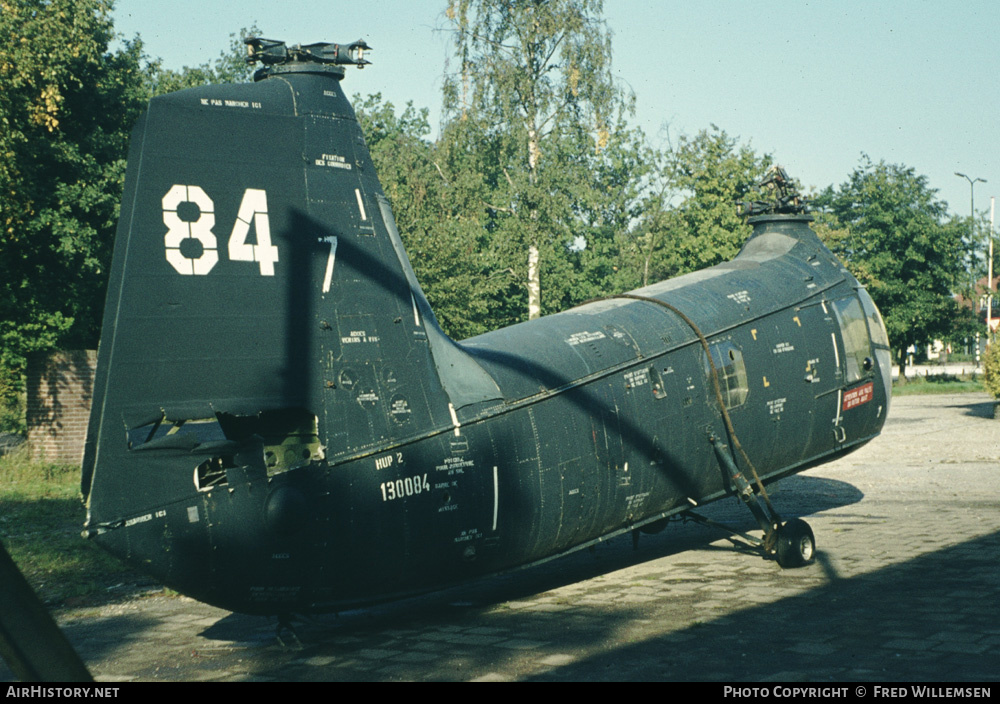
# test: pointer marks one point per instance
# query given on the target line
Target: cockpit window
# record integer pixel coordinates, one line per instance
(876, 326)
(880, 340)
(855, 334)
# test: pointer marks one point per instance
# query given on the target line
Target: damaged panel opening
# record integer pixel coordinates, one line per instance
(212, 473)
(290, 436)
(284, 439)
(163, 433)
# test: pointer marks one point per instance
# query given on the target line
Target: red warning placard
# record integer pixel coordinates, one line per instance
(855, 397)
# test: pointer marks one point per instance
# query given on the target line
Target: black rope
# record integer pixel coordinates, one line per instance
(715, 381)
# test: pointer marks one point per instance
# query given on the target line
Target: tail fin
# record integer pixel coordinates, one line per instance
(260, 289)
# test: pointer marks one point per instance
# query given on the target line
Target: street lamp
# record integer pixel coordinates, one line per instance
(972, 224)
(972, 191)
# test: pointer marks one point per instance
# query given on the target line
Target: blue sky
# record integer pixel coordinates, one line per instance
(815, 84)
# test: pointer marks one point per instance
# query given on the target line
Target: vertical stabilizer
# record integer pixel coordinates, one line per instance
(260, 294)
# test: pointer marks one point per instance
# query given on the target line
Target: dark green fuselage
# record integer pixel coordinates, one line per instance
(280, 425)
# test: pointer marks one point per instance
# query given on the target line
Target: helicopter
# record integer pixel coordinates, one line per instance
(280, 425)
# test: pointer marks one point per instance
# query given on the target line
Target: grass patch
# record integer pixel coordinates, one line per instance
(937, 384)
(41, 517)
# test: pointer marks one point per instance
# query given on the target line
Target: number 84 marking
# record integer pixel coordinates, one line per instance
(253, 210)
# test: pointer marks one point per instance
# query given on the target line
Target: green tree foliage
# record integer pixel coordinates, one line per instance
(435, 214)
(536, 130)
(991, 369)
(888, 226)
(229, 67)
(717, 173)
(709, 173)
(67, 105)
(964, 326)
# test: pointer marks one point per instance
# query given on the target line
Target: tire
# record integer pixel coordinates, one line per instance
(796, 544)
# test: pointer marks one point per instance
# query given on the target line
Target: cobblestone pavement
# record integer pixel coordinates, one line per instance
(906, 586)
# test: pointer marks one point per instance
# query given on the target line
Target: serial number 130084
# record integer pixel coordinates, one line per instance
(405, 487)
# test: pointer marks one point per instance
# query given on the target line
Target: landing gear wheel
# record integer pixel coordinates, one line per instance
(796, 544)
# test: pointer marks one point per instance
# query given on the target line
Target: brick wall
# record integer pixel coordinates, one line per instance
(60, 386)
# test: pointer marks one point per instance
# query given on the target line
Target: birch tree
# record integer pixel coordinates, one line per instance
(532, 87)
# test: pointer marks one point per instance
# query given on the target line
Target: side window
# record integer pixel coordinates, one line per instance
(854, 331)
(730, 371)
